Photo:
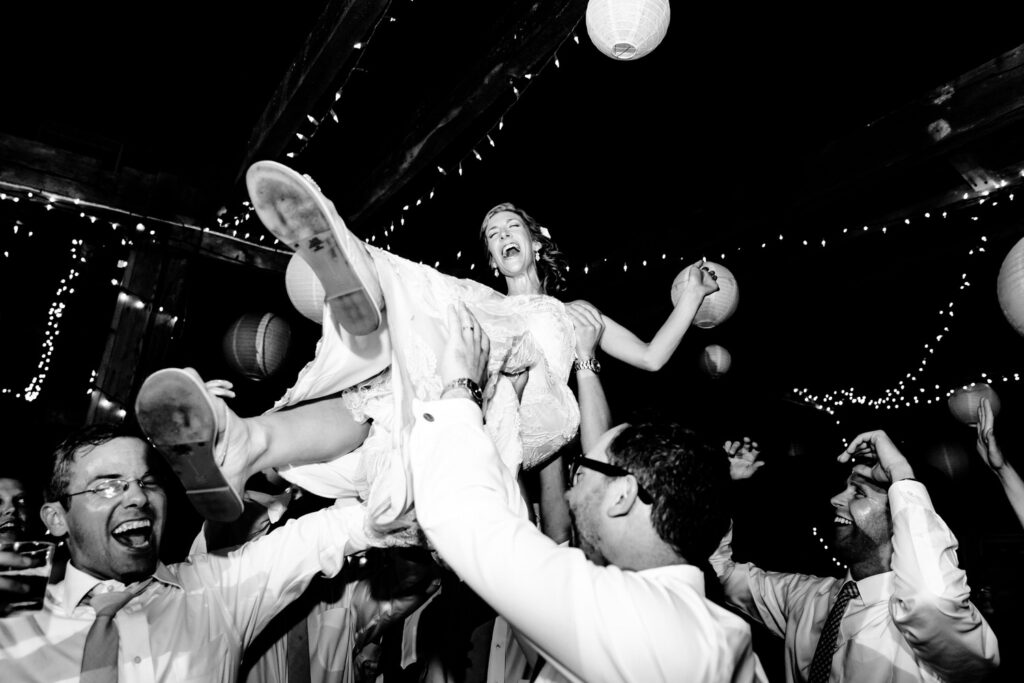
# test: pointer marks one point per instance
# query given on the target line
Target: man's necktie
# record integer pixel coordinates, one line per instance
(821, 665)
(99, 659)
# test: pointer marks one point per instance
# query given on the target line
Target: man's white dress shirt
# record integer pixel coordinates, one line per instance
(590, 623)
(914, 623)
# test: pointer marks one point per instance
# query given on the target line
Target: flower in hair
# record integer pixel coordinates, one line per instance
(544, 231)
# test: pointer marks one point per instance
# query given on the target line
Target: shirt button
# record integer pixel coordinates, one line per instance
(137, 659)
(428, 417)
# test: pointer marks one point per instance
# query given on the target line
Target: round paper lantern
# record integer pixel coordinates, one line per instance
(1010, 286)
(949, 458)
(718, 307)
(627, 29)
(715, 360)
(304, 289)
(256, 344)
(965, 401)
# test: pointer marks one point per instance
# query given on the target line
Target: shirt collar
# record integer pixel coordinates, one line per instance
(77, 584)
(874, 588)
(688, 573)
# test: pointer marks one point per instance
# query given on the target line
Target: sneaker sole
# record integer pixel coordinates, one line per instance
(297, 217)
(176, 416)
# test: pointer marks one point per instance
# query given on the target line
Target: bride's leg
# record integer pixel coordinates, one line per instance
(214, 452)
(292, 207)
(312, 432)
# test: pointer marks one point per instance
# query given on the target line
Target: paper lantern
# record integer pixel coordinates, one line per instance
(964, 402)
(1010, 286)
(715, 360)
(627, 29)
(256, 344)
(304, 289)
(949, 458)
(718, 307)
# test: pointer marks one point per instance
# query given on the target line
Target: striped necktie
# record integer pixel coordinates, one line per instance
(821, 665)
(99, 658)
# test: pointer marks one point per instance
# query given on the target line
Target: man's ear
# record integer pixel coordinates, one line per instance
(52, 515)
(622, 496)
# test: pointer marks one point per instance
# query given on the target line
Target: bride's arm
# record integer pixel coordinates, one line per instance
(619, 342)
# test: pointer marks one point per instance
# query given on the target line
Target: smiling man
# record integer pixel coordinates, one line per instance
(13, 509)
(119, 613)
(902, 612)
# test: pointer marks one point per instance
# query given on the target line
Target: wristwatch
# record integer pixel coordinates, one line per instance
(466, 383)
(589, 364)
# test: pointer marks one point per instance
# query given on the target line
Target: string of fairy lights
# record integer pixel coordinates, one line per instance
(54, 315)
(914, 389)
(518, 87)
(128, 230)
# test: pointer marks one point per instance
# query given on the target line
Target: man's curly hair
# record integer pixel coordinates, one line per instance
(688, 480)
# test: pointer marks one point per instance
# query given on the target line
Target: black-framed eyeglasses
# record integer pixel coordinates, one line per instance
(609, 470)
(111, 488)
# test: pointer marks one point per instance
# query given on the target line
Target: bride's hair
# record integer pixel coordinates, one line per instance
(552, 265)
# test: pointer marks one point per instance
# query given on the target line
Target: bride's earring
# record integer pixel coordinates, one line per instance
(496, 273)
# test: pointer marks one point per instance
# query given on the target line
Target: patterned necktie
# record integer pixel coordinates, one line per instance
(99, 659)
(821, 665)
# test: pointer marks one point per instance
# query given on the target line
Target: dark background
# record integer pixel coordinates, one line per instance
(703, 148)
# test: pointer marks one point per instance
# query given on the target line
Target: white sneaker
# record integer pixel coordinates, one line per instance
(179, 418)
(292, 207)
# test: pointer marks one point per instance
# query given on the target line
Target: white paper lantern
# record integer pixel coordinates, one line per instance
(715, 360)
(964, 402)
(717, 307)
(1010, 286)
(627, 29)
(304, 289)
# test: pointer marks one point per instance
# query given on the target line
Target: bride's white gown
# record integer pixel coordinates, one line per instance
(524, 330)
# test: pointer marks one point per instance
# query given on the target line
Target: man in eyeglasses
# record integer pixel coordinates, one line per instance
(647, 503)
(119, 613)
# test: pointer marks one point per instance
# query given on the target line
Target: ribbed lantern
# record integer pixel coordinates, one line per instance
(627, 29)
(718, 307)
(304, 289)
(965, 401)
(1010, 286)
(949, 458)
(256, 344)
(715, 360)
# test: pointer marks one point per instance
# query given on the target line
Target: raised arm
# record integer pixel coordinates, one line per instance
(595, 415)
(619, 342)
(931, 604)
(988, 449)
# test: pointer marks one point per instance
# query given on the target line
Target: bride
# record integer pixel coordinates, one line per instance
(342, 430)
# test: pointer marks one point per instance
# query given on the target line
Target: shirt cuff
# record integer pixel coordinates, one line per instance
(447, 409)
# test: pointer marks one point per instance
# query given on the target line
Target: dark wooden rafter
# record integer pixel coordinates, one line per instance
(126, 191)
(319, 68)
(443, 126)
(949, 124)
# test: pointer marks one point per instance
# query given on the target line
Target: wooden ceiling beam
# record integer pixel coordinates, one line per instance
(945, 126)
(326, 56)
(119, 193)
